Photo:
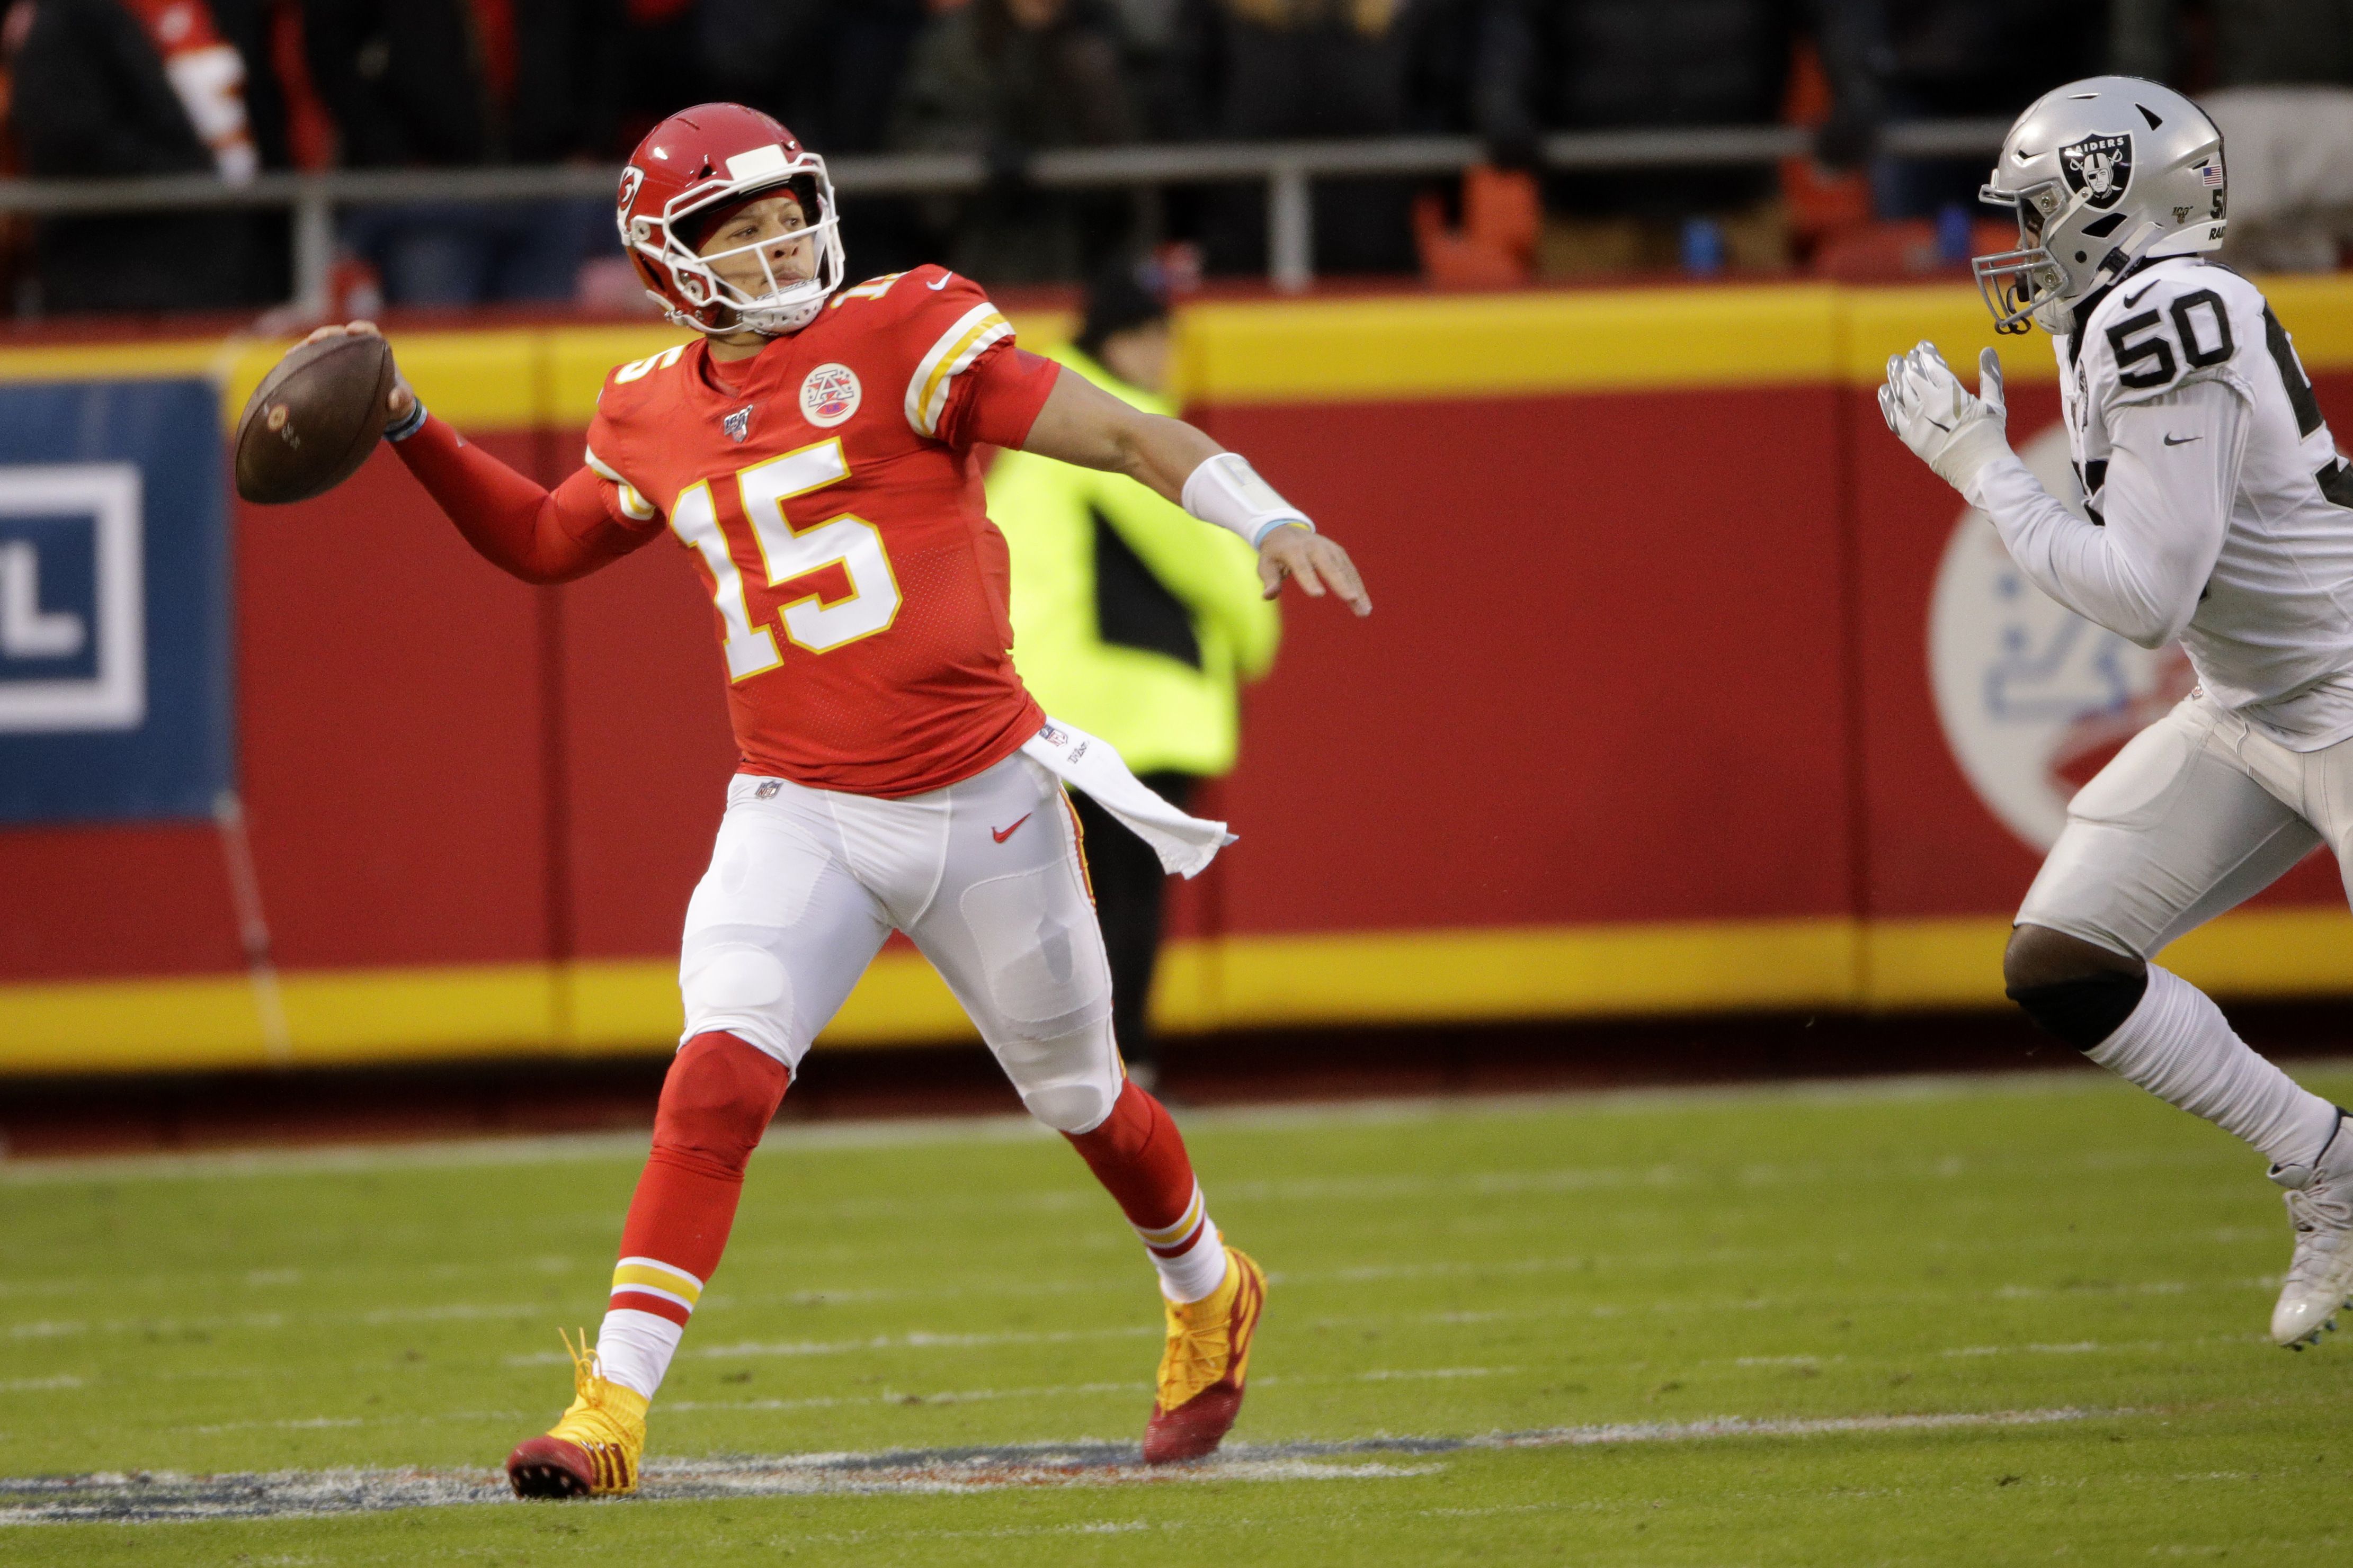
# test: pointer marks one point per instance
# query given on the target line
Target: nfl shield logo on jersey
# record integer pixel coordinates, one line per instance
(830, 394)
(2099, 166)
(738, 424)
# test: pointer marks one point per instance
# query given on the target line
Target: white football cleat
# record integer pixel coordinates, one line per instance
(2321, 1276)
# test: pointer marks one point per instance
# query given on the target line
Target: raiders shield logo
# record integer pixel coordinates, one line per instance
(738, 425)
(2099, 166)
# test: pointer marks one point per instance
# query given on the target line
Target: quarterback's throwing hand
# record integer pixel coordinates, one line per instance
(1953, 431)
(1314, 561)
(398, 401)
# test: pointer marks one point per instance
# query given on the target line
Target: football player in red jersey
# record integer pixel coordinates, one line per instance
(814, 449)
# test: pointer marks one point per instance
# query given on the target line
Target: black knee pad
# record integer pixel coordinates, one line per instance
(2084, 1011)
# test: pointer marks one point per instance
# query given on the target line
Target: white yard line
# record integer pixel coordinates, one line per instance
(468, 1311)
(791, 1136)
(168, 1496)
(165, 1496)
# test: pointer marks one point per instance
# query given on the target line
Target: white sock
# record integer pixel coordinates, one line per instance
(1196, 1272)
(634, 1348)
(1189, 1255)
(2178, 1045)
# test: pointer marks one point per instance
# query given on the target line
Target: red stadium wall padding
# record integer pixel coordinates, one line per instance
(1603, 680)
(114, 902)
(1638, 657)
(392, 728)
(646, 749)
(390, 740)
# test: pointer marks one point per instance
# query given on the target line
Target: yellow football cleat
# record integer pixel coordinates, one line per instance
(1201, 1371)
(592, 1451)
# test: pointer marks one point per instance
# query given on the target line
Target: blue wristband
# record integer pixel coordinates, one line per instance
(408, 423)
(1274, 523)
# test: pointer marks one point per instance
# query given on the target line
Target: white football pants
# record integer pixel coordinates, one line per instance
(2198, 813)
(986, 877)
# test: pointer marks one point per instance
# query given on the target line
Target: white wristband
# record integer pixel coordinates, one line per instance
(1227, 491)
(408, 423)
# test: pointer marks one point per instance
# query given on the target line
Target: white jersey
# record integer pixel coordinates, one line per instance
(2224, 514)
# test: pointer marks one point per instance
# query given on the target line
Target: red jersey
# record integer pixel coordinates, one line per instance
(827, 492)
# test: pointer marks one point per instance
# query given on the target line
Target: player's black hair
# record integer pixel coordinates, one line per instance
(1121, 297)
(696, 229)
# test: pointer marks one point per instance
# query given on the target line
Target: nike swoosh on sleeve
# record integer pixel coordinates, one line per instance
(2132, 300)
(2182, 440)
(943, 283)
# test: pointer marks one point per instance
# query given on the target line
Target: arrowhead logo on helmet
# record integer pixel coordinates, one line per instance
(631, 178)
(2099, 168)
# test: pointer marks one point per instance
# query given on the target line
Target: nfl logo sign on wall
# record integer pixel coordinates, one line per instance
(830, 394)
(2033, 698)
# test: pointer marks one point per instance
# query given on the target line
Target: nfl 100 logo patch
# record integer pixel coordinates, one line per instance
(830, 394)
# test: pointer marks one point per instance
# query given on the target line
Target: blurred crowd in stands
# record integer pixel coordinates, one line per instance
(100, 88)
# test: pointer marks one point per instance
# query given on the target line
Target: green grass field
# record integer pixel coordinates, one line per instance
(2067, 1280)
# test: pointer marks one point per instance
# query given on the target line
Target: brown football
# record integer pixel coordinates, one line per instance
(313, 419)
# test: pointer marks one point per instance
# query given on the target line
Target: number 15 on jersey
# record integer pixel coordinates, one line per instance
(787, 555)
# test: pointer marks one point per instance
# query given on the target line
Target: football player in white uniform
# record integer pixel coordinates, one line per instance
(2221, 515)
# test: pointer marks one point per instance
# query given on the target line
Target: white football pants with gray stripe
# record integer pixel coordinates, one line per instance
(986, 877)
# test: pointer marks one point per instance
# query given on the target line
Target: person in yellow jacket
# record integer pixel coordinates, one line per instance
(1135, 622)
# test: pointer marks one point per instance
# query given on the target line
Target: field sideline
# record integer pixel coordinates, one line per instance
(1916, 1321)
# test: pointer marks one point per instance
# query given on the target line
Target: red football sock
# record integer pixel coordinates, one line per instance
(1139, 1157)
(716, 1102)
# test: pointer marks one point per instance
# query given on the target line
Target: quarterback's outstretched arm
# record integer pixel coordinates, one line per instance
(512, 521)
(1083, 424)
(537, 534)
(2172, 471)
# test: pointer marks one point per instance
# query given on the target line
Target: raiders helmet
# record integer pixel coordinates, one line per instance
(2102, 172)
(690, 171)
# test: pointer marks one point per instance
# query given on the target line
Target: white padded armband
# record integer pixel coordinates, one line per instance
(1227, 491)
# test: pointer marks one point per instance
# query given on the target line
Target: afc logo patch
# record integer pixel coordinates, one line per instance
(738, 425)
(830, 394)
(2099, 166)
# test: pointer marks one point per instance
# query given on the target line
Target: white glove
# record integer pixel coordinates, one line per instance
(1953, 432)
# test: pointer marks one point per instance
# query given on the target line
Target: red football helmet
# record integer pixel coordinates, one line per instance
(704, 161)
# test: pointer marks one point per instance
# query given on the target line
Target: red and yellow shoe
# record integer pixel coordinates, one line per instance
(1201, 1371)
(592, 1451)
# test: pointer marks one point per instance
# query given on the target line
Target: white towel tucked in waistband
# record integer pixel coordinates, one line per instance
(1185, 843)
